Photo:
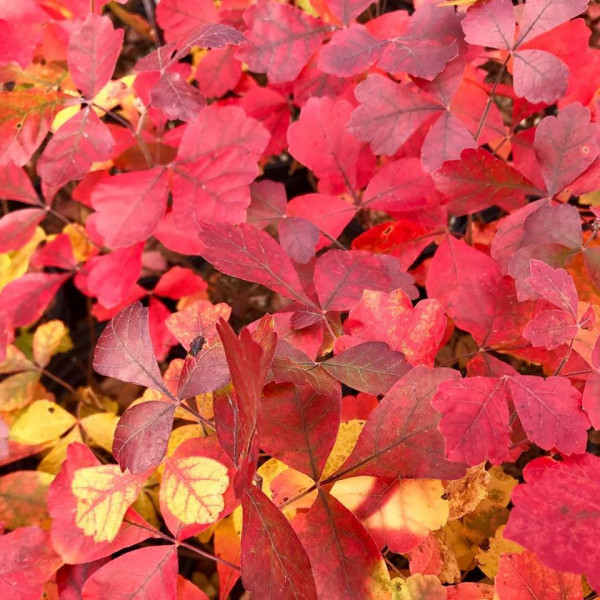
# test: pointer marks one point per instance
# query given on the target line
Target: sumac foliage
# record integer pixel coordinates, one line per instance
(299, 300)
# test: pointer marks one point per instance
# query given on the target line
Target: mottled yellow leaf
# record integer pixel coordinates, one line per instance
(487, 560)
(52, 462)
(100, 428)
(458, 541)
(500, 486)
(177, 437)
(193, 488)
(344, 444)
(50, 339)
(18, 390)
(147, 502)
(466, 493)
(41, 422)
(103, 496)
(418, 587)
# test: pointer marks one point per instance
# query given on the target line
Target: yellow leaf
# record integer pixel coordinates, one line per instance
(267, 472)
(41, 422)
(50, 339)
(52, 462)
(14, 264)
(177, 437)
(344, 444)
(18, 390)
(147, 502)
(193, 489)
(488, 559)
(458, 541)
(100, 427)
(399, 511)
(103, 496)
(466, 493)
(80, 243)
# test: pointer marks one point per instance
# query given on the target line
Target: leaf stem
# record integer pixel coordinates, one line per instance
(194, 549)
(490, 99)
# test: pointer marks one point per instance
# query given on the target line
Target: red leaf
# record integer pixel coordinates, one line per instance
(474, 419)
(70, 578)
(129, 206)
(281, 39)
(216, 162)
(151, 573)
(206, 372)
(67, 538)
(401, 438)
(244, 252)
(591, 399)
(82, 140)
(268, 204)
(210, 35)
(298, 238)
(16, 185)
(18, 227)
(389, 113)
(550, 411)
(445, 140)
(555, 285)
(416, 332)
(466, 282)
(319, 140)
(566, 146)
(401, 185)
(550, 329)
(346, 562)
(111, 277)
(371, 367)
(490, 24)
(176, 98)
(178, 17)
(27, 562)
(351, 51)
(124, 350)
(249, 358)
(478, 181)
(24, 300)
(179, 282)
(162, 339)
(341, 277)
(346, 10)
(269, 540)
(330, 214)
(542, 15)
(555, 506)
(218, 73)
(142, 434)
(524, 577)
(92, 54)
(299, 426)
(539, 76)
